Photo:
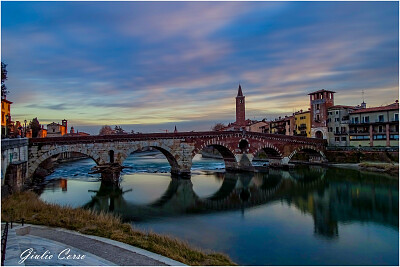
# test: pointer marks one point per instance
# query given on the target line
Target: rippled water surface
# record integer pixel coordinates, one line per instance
(305, 216)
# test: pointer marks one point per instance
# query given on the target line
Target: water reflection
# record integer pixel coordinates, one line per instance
(328, 201)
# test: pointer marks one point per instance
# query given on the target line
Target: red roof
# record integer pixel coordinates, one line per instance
(5, 100)
(320, 91)
(394, 106)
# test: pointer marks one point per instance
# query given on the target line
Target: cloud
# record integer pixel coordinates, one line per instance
(156, 62)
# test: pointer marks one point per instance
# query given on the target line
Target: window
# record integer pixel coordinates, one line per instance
(396, 117)
(356, 120)
(317, 117)
(394, 137)
(343, 138)
(366, 119)
(381, 118)
(397, 128)
(337, 129)
(317, 106)
(337, 119)
(330, 129)
(380, 128)
(54, 130)
(337, 139)
(343, 129)
(329, 113)
(337, 112)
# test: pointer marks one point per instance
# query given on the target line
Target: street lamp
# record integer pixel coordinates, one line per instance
(25, 128)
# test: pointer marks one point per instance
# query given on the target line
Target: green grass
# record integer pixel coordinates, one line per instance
(27, 205)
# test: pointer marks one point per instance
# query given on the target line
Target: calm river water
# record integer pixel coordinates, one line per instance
(305, 216)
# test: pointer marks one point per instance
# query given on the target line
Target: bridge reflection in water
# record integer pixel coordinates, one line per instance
(328, 201)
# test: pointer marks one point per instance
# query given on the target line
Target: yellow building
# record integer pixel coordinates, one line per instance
(302, 122)
(5, 113)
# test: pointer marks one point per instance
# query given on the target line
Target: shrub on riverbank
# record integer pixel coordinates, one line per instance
(27, 205)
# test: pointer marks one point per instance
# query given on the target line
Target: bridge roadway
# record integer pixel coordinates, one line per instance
(238, 148)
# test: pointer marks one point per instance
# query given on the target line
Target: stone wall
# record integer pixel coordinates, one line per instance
(357, 156)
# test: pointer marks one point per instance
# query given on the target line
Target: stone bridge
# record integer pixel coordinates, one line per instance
(237, 148)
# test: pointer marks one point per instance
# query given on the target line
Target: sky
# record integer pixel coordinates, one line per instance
(148, 66)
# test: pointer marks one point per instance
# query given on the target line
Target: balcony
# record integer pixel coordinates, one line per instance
(340, 133)
(359, 132)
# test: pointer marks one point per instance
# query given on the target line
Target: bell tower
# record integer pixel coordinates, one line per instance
(240, 108)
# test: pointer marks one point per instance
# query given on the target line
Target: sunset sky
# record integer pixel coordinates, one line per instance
(149, 66)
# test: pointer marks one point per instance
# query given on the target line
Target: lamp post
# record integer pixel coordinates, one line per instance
(25, 128)
(7, 116)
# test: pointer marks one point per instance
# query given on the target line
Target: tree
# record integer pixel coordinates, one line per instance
(119, 130)
(218, 127)
(35, 126)
(4, 91)
(106, 130)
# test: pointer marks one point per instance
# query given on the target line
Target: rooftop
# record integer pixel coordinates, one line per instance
(394, 106)
(321, 91)
(343, 106)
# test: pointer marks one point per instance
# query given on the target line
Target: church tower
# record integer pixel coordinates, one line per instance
(240, 108)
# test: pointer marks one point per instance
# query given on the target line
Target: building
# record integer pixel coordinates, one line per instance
(56, 129)
(320, 101)
(302, 123)
(240, 109)
(376, 126)
(77, 133)
(284, 125)
(338, 125)
(5, 116)
(241, 123)
(258, 126)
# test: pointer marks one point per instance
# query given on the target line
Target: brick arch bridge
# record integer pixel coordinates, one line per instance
(238, 148)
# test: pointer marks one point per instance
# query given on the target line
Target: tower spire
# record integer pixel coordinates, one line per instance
(240, 93)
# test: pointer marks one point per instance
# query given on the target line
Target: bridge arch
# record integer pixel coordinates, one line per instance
(165, 150)
(270, 150)
(227, 153)
(35, 162)
(310, 150)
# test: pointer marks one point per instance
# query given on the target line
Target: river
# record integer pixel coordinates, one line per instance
(309, 215)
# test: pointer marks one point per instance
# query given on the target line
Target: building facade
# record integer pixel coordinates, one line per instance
(320, 101)
(302, 123)
(376, 126)
(338, 125)
(56, 129)
(283, 126)
(5, 115)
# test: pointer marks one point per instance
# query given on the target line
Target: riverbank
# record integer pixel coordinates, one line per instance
(27, 205)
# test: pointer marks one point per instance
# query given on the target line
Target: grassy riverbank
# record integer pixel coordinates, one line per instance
(27, 205)
(389, 168)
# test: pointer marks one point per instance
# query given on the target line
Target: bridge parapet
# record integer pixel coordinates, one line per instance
(14, 157)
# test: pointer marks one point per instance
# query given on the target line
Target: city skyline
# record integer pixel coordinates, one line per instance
(159, 64)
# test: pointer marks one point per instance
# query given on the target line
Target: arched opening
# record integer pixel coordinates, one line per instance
(150, 159)
(213, 158)
(263, 157)
(243, 145)
(111, 153)
(319, 135)
(307, 155)
(65, 178)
